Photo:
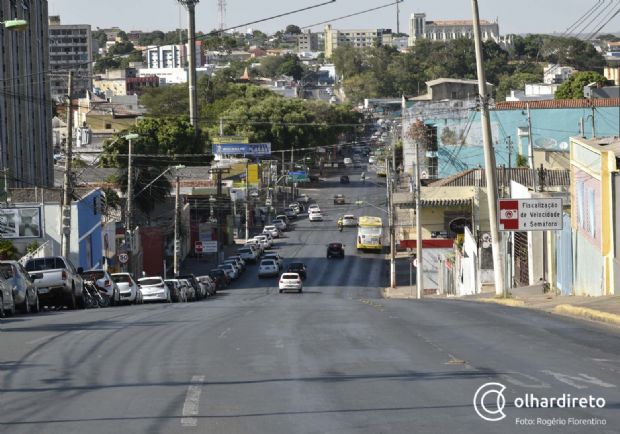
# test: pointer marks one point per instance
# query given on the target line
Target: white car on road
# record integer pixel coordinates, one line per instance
(268, 267)
(271, 229)
(154, 289)
(290, 281)
(315, 216)
(127, 287)
(349, 220)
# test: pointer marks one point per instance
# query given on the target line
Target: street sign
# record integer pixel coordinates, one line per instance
(209, 246)
(123, 258)
(219, 140)
(256, 149)
(198, 246)
(541, 214)
(297, 177)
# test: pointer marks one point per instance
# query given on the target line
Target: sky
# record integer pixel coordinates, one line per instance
(522, 16)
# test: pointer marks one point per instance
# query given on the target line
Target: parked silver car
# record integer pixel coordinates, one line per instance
(154, 289)
(7, 305)
(25, 293)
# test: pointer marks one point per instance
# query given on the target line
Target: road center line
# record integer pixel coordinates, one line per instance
(192, 401)
(41, 339)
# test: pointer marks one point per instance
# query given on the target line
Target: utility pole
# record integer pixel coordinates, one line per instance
(129, 212)
(489, 158)
(247, 201)
(509, 166)
(177, 235)
(65, 240)
(419, 271)
(530, 147)
(191, 42)
(397, 17)
(391, 225)
(218, 172)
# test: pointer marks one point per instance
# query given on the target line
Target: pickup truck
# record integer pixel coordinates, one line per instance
(58, 282)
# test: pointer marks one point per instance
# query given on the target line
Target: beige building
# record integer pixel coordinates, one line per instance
(358, 38)
(25, 104)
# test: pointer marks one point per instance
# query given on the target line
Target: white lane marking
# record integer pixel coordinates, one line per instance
(223, 334)
(192, 401)
(41, 339)
(583, 378)
(534, 384)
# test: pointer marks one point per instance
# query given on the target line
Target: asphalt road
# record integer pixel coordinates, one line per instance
(335, 359)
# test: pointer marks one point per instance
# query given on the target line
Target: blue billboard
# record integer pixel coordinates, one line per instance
(257, 149)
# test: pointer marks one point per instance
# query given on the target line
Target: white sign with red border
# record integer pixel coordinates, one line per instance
(541, 214)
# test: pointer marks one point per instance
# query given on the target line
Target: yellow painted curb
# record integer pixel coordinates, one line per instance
(588, 313)
(504, 301)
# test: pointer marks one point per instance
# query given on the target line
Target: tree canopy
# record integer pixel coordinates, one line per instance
(573, 87)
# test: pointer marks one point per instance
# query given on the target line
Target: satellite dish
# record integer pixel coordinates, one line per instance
(424, 174)
(563, 146)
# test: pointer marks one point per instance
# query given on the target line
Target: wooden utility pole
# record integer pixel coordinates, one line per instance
(177, 222)
(65, 236)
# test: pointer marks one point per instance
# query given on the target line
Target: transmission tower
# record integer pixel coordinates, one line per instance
(221, 14)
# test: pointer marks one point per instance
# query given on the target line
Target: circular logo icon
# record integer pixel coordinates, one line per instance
(508, 214)
(123, 258)
(489, 401)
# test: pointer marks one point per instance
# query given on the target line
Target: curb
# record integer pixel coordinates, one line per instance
(503, 301)
(584, 312)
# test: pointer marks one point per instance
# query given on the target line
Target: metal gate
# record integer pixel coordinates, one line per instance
(522, 274)
(564, 258)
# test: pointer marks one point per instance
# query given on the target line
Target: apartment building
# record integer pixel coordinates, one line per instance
(25, 105)
(358, 38)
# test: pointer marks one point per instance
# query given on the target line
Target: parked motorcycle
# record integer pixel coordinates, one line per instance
(93, 297)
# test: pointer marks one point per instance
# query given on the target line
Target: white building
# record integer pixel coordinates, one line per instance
(170, 56)
(70, 48)
(358, 38)
(446, 30)
(534, 92)
(556, 74)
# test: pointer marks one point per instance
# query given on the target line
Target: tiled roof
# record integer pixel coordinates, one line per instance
(437, 196)
(558, 103)
(522, 175)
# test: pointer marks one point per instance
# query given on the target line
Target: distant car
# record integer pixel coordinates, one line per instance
(276, 256)
(275, 232)
(314, 207)
(279, 223)
(230, 270)
(247, 254)
(220, 278)
(295, 207)
(177, 290)
(349, 220)
(339, 199)
(268, 267)
(266, 241)
(235, 264)
(290, 281)
(190, 292)
(104, 282)
(344, 179)
(297, 267)
(371, 159)
(315, 216)
(127, 287)
(25, 293)
(303, 198)
(154, 289)
(290, 213)
(239, 259)
(335, 250)
(200, 294)
(209, 284)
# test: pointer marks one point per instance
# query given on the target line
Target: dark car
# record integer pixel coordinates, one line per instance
(339, 199)
(199, 291)
(297, 267)
(220, 278)
(344, 179)
(335, 249)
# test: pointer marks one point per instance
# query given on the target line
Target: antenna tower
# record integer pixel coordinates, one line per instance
(221, 14)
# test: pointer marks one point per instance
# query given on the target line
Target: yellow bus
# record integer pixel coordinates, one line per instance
(369, 233)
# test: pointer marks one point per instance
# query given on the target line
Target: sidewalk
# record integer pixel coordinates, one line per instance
(603, 309)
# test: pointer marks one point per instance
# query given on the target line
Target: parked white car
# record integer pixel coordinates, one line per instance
(303, 198)
(265, 242)
(154, 289)
(127, 287)
(290, 281)
(248, 254)
(314, 207)
(271, 229)
(280, 224)
(230, 270)
(276, 256)
(268, 267)
(315, 216)
(257, 245)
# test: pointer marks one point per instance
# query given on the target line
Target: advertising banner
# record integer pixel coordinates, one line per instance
(256, 149)
(20, 222)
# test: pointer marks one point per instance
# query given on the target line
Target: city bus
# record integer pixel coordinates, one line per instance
(369, 233)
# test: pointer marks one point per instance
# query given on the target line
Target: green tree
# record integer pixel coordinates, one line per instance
(360, 86)
(171, 100)
(121, 48)
(292, 29)
(573, 87)
(291, 66)
(105, 63)
(8, 250)
(517, 81)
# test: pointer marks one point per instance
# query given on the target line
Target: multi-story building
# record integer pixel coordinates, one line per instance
(171, 56)
(358, 38)
(25, 105)
(123, 82)
(446, 30)
(556, 74)
(307, 41)
(71, 49)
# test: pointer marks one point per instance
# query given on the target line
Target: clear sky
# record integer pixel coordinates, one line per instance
(515, 16)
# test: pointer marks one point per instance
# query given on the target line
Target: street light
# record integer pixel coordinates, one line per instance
(16, 24)
(177, 167)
